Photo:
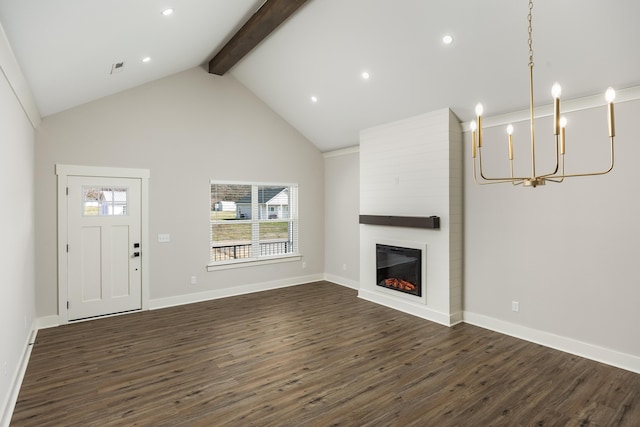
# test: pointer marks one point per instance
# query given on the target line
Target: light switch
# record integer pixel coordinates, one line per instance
(164, 238)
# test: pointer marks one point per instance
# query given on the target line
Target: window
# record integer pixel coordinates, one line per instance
(253, 222)
(101, 201)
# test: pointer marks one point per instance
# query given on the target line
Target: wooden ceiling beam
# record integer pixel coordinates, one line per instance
(270, 15)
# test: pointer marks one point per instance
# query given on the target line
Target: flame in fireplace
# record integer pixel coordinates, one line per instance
(401, 284)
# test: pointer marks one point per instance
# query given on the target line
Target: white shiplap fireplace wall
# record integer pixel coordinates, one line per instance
(413, 167)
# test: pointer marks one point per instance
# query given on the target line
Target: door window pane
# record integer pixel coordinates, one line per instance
(101, 201)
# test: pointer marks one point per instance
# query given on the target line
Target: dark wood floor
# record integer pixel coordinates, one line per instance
(310, 355)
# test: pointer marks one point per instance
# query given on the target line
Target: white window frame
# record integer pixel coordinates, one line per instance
(255, 221)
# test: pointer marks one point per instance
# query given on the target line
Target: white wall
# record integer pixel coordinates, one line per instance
(568, 253)
(17, 307)
(341, 216)
(412, 167)
(186, 129)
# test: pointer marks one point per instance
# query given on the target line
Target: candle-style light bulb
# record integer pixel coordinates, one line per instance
(556, 90)
(479, 109)
(563, 122)
(510, 129)
(610, 95)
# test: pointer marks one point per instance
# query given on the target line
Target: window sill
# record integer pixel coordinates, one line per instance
(253, 262)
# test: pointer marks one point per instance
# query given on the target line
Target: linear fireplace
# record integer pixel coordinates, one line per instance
(399, 269)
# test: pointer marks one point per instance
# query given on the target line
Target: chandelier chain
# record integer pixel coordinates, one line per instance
(530, 29)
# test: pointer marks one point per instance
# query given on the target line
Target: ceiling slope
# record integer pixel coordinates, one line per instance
(66, 48)
(309, 69)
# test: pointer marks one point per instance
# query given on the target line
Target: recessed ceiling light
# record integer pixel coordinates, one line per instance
(167, 12)
(146, 59)
(366, 75)
(447, 39)
(314, 99)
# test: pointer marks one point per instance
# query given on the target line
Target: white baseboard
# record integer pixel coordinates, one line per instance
(342, 281)
(231, 292)
(10, 403)
(456, 318)
(409, 307)
(47, 322)
(625, 361)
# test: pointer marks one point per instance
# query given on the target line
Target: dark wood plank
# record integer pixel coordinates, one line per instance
(432, 222)
(313, 354)
(270, 15)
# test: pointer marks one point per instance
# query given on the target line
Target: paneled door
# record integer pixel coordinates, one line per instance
(104, 246)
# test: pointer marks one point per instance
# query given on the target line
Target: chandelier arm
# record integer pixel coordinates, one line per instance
(486, 181)
(513, 180)
(557, 156)
(562, 179)
(489, 182)
(479, 182)
(495, 180)
(555, 171)
(603, 172)
(475, 175)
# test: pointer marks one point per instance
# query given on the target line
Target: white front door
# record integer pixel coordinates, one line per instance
(104, 246)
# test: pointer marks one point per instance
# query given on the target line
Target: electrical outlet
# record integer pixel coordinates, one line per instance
(4, 368)
(344, 267)
(304, 264)
(515, 306)
(194, 280)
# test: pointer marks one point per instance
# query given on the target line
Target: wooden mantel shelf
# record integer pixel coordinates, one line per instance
(431, 222)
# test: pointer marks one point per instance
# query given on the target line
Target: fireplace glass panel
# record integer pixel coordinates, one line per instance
(399, 269)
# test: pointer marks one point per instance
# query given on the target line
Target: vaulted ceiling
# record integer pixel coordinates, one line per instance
(67, 50)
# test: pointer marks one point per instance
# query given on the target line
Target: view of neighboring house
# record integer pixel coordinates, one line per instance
(105, 201)
(273, 203)
(224, 206)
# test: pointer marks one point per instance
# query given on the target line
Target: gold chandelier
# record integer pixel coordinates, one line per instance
(558, 173)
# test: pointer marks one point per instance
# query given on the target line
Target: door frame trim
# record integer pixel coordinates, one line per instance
(63, 172)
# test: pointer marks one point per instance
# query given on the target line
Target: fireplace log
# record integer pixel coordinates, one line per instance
(393, 282)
